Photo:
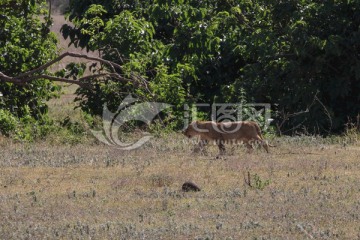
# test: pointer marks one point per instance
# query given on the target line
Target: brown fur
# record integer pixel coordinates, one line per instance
(247, 132)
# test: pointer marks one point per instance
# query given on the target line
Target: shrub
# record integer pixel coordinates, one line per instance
(8, 122)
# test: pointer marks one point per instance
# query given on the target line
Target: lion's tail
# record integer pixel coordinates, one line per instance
(258, 131)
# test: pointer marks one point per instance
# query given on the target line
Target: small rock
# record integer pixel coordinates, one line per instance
(190, 187)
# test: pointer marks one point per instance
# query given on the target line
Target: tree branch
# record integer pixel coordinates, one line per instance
(18, 81)
(29, 76)
(112, 65)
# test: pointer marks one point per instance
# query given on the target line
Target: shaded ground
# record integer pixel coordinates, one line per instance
(59, 21)
(64, 106)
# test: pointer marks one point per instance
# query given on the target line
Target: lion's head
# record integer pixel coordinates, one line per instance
(191, 131)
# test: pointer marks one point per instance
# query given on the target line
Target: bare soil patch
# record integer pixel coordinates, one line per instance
(68, 96)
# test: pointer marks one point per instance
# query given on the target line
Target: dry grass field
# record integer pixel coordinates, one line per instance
(306, 188)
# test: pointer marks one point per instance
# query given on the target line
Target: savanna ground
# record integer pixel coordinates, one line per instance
(306, 188)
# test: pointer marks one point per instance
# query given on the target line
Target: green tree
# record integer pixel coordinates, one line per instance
(300, 56)
(25, 43)
(168, 43)
(307, 59)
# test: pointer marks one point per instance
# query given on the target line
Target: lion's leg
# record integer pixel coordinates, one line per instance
(221, 147)
(234, 145)
(232, 149)
(200, 147)
(265, 144)
(249, 146)
(262, 142)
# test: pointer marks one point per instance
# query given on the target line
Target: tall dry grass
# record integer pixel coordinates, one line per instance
(95, 191)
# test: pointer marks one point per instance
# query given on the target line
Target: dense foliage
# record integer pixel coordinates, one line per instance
(25, 43)
(300, 56)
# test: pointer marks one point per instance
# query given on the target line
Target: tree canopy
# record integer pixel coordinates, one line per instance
(25, 43)
(299, 56)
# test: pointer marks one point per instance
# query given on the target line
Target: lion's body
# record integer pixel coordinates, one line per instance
(247, 132)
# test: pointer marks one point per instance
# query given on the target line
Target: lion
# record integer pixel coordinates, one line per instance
(247, 132)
